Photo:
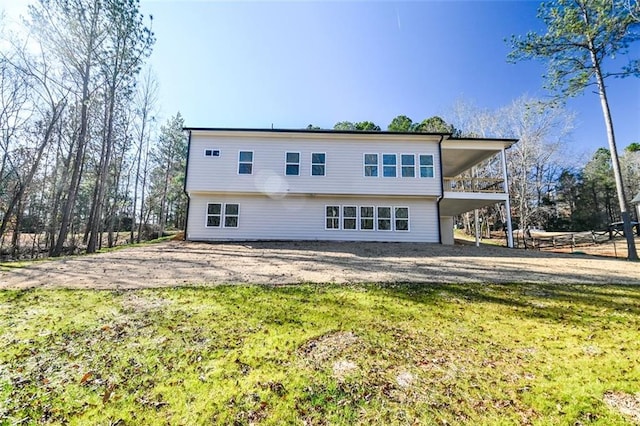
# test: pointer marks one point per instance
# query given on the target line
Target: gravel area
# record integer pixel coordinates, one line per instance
(179, 263)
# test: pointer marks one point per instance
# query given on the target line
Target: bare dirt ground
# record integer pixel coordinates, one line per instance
(179, 263)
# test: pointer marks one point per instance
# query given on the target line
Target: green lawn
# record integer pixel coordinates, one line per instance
(392, 354)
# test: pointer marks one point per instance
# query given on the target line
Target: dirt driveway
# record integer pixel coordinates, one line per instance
(177, 263)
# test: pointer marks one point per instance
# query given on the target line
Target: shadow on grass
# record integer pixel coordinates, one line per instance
(565, 303)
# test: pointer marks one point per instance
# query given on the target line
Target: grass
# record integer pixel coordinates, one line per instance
(314, 354)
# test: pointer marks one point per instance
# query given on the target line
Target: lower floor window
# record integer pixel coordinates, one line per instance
(214, 212)
(349, 217)
(401, 215)
(332, 216)
(215, 215)
(384, 218)
(367, 218)
(231, 213)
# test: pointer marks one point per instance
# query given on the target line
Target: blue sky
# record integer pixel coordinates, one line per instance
(292, 63)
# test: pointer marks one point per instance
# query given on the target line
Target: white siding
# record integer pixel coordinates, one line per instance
(303, 218)
(344, 165)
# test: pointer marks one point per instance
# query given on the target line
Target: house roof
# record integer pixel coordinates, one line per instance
(448, 136)
(636, 199)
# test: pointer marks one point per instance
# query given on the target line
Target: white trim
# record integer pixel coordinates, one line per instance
(414, 165)
(318, 164)
(206, 216)
(245, 162)
(390, 218)
(372, 218)
(365, 165)
(237, 216)
(326, 228)
(286, 163)
(395, 165)
(433, 166)
(343, 217)
(407, 219)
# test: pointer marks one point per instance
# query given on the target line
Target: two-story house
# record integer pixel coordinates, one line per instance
(264, 184)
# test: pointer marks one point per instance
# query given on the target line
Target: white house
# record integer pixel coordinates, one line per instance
(265, 184)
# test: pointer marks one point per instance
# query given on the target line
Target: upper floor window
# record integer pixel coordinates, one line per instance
(245, 162)
(408, 165)
(389, 165)
(212, 153)
(426, 166)
(292, 166)
(371, 165)
(318, 162)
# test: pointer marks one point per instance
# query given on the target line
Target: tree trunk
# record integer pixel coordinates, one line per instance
(615, 162)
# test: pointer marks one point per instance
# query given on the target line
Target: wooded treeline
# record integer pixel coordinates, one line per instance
(551, 187)
(82, 162)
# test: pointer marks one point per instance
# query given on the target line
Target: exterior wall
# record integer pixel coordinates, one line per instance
(344, 165)
(446, 230)
(303, 218)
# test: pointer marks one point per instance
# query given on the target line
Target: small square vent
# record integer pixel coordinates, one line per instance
(211, 153)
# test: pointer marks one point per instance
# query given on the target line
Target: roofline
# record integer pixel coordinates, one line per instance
(311, 131)
(483, 139)
(343, 132)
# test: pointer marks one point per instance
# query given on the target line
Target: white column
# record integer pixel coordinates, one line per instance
(507, 203)
(477, 226)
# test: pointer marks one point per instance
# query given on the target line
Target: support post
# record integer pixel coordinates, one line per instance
(507, 203)
(477, 226)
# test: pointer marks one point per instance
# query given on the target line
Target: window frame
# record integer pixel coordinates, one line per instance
(240, 163)
(236, 216)
(287, 163)
(344, 217)
(372, 218)
(324, 164)
(365, 165)
(395, 165)
(390, 218)
(432, 166)
(219, 215)
(403, 166)
(336, 218)
(395, 219)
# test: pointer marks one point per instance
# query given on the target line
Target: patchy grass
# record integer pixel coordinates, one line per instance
(313, 354)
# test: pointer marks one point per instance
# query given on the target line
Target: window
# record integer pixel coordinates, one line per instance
(245, 163)
(389, 165)
(318, 161)
(231, 215)
(214, 211)
(384, 218)
(211, 153)
(332, 216)
(366, 218)
(408, 162)
(215, 217)
(292, 163)
(426, 166)
(401, 215)
(371, 165)
(349, 217)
